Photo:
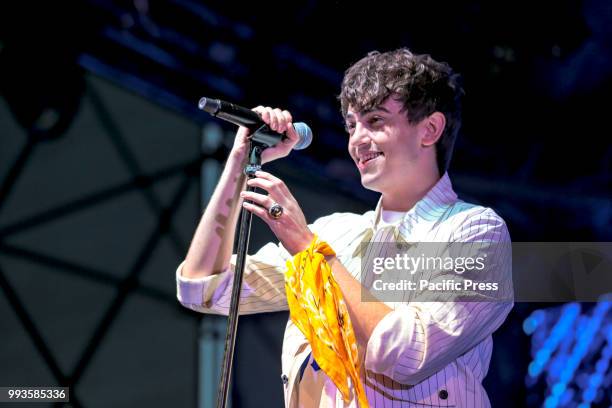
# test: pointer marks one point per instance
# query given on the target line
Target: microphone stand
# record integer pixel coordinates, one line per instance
(253, 165)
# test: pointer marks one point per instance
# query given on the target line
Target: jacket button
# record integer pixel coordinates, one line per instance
(285, 379)
(443, 394)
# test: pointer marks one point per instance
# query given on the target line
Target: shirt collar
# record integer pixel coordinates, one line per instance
(428, 208)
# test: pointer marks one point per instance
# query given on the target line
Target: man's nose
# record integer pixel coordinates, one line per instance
(360, 135)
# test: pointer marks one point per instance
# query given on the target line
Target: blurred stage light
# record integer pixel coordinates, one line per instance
(571, 354)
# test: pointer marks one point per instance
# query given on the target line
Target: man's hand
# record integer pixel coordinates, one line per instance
(279, 121)
(290, 228)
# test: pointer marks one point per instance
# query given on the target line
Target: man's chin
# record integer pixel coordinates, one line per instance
(370, 183)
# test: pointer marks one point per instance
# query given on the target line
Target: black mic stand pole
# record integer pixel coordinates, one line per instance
(253, 165)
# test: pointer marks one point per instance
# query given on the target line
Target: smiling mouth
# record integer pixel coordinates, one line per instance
(365, 159)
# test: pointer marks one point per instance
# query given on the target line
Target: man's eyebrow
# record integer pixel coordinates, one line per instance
(375, 109)
(350, 115)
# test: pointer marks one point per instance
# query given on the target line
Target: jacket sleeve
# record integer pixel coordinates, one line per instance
(420, 337)
(263, 287)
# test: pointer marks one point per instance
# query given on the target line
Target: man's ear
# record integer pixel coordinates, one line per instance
(432, 126)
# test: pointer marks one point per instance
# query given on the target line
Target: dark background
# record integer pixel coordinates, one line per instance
(102, 184)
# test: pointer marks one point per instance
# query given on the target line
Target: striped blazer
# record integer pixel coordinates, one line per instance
(427, 352)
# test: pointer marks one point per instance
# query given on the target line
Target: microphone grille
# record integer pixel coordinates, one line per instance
(305, 134)
(202, 103)
(209, 105)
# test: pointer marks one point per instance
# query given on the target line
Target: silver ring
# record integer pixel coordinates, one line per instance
(275, 211)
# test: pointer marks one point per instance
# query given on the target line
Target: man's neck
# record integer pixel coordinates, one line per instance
(410, 194)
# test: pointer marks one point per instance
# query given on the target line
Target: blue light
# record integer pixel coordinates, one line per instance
(574, 352)
(589, 395)
(550, 402)
(567, 396)
(558, 388)
(595, 380)
(533, 369)
(533, 321)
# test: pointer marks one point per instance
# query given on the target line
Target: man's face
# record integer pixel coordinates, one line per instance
(384, 146)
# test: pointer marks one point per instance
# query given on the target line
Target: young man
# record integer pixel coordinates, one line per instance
(402, 114)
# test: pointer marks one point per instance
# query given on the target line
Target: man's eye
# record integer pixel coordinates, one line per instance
(349, 127)
(375, 120)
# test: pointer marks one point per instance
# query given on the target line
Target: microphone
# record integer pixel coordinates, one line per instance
(245, 117)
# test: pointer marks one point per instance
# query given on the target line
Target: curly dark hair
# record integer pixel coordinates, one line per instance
(422, 84)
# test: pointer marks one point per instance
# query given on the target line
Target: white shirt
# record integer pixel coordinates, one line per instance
(421, 353)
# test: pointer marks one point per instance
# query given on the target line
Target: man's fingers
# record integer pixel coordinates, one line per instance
(292, 135)
(277, 119)
(273, 185)
(289, 130)
(287, 116)
(280, 123)
(261, 183)
(265, 115)
(257, 210)
(268, 176)
(259, 199)
(261, 111)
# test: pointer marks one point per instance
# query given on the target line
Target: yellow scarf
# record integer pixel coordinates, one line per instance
(317, 308)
